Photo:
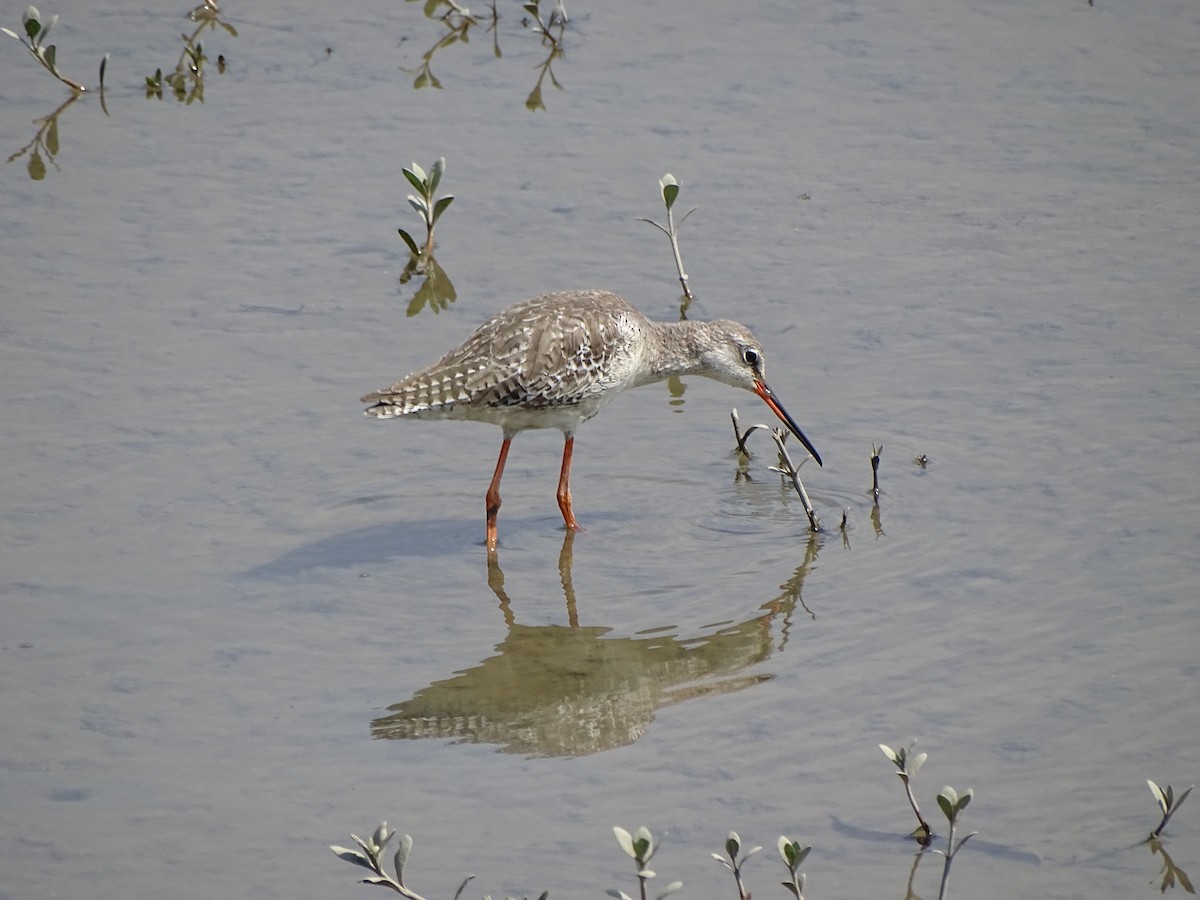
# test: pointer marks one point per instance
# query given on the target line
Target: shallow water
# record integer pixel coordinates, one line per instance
(963, 233)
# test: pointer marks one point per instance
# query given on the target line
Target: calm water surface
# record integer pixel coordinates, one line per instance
(240, 621)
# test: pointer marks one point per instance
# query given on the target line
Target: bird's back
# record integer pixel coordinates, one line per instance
(552, 361)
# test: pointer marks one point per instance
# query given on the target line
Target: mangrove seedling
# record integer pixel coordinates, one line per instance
(640, 847)
(669, 188)
(427, 208)
(952, 805)
(34, 40)
(1167, 803)
(733, 846)
(909, 764)
(793, 855)
(371, 857)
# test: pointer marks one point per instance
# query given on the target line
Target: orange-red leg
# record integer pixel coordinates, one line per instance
(493, 495)
(564, 486)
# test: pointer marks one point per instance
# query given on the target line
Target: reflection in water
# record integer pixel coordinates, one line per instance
(567, 690)
(45, 141)
(1171, 874)
(186, 81)
(458, 23)
(436, 291)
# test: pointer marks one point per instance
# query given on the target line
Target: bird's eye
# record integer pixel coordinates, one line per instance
(751, 356)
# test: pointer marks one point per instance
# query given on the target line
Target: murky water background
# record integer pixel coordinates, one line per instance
(968, 233)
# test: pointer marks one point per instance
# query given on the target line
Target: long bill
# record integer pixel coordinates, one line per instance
(763, 390)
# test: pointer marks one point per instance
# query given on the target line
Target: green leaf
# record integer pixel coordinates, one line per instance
(402, 852)
(441, 206)
(380, 837)
(420, 206)
(36, 167)
(624, 841)
(946, 800)
(351, 856)
(916, 763)
(32, 22)
(435, 174)
(891, 754)
(963, 801)
(1178, 803)
(1159, 798)
(45, 32)
(670, 189)
(787, 850)
(643, 844)
(48, 54)
(412, 245)
(420, 173)
(733, 844)
(414, 180)
(52, 138)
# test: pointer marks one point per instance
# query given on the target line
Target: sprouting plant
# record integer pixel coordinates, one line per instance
(1167, 802)
(371, 858)
(423, 202)
(557, 18)
(670, 192)
(640, 847)
(733, 846)
(35, 40)
(793, 856)
(909, 764)
(952, 805)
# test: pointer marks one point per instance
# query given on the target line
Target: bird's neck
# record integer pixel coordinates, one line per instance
(677, 351)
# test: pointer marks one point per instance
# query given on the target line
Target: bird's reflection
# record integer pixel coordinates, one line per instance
(567, 690)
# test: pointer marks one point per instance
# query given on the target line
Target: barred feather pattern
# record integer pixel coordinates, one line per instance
(559, 357)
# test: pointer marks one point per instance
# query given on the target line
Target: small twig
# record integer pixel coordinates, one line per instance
(741, 436)
(875, 454)
(788, 470)
(786, 467)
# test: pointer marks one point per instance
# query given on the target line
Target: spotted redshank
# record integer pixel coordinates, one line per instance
(557, 360)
